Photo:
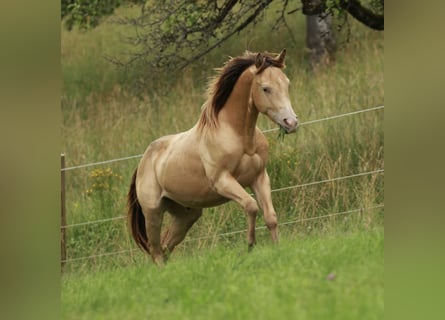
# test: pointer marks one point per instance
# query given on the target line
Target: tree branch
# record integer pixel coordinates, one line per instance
(227, 36)
(353, 7)
(364, 15)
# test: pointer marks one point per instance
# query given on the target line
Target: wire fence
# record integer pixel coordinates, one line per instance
(264, 131)
(358, 210)
(378, 171)
(274, 190)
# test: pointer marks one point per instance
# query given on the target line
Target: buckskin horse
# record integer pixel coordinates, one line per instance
(214, 161)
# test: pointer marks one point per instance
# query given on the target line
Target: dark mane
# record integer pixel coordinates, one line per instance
(222, 84)
(225, 82)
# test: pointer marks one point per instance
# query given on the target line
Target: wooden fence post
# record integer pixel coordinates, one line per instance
(63, 211)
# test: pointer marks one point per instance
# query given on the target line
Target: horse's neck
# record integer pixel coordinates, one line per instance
(239, 112)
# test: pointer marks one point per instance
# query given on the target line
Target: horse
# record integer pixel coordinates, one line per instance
(215, 160)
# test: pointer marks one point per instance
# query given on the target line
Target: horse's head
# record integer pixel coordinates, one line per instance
(270, 91)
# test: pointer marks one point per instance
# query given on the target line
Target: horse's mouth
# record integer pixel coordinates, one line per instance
(287, 130)
(288, 123)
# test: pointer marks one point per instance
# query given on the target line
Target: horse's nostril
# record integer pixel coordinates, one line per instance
(289, 122)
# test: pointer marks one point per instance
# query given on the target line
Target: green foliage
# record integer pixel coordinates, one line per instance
(376, 6)
(103, 187)
(333, 6)
(87, 14)
(281, 133)
(176, 33)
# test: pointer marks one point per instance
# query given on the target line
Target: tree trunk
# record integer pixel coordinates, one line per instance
(320, 39)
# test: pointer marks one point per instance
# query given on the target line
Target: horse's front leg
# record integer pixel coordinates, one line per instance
(261, 188)
(227, 186)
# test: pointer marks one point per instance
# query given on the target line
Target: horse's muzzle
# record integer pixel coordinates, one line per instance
(290, 124)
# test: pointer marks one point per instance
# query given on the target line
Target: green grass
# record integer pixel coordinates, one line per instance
(287, 281)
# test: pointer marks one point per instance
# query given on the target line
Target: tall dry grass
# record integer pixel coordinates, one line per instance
(103, 119)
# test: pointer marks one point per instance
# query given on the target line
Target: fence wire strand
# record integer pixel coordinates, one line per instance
(274, 190)
(101, 162)
(234, 232)
(92, 222)
(331, 117)
(264, 131)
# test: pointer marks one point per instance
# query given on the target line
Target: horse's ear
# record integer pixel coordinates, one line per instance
(281, 56)
(259, 60)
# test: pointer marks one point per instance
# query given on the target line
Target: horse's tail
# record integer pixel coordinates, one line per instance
(136, 220)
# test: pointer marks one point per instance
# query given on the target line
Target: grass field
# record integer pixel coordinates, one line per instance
(211, 276)
(321, 276)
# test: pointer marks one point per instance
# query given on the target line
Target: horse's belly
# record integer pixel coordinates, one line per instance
(193, 193)
(206, 202)
(196, 191)
(189, 186)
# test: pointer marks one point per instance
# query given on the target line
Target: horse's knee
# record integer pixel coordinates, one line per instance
(270, 218)
(251, 208)
(272, 224)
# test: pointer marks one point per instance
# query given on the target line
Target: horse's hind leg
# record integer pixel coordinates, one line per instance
(153, 224)
(182, 220)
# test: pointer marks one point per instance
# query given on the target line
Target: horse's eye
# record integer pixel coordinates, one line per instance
(266, 90)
